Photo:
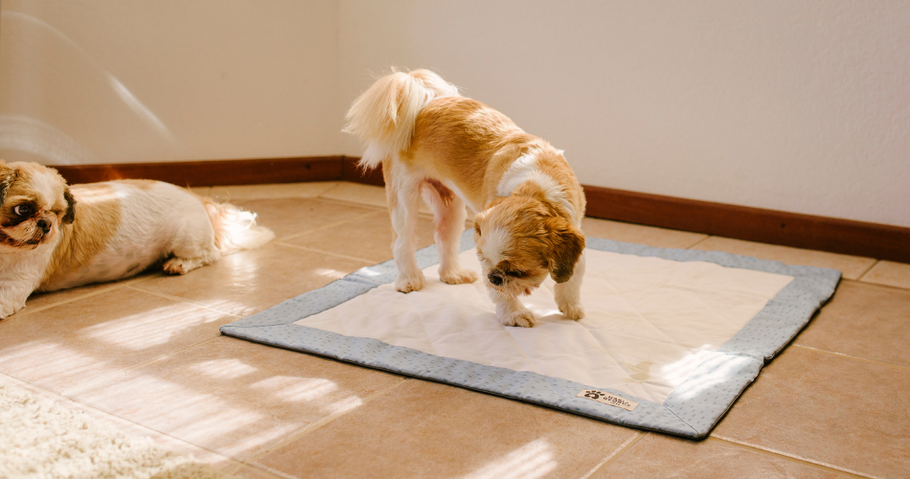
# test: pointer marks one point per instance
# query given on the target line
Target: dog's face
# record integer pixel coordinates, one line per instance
(521, 240)
(34, 202)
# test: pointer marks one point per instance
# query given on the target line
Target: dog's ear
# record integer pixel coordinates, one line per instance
(564, 246)
(70, 215)
(7, 175)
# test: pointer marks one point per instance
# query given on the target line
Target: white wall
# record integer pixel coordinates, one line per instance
(800, 106)
(100, 81)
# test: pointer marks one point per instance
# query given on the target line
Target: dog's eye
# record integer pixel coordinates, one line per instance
(23, 210)
(516, 274)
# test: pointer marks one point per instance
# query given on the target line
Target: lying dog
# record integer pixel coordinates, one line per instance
(54, 236)
(454, 150)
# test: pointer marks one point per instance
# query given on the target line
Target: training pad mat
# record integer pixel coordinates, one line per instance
(669, 341)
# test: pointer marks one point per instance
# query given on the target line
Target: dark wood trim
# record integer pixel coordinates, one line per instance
(215, 172)
(754, 224)
(351, 172)
(741, 222)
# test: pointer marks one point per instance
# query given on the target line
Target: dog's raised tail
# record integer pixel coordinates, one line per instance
(235, 228)
(385, 114)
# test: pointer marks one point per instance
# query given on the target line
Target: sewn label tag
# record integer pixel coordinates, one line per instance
(607, 398)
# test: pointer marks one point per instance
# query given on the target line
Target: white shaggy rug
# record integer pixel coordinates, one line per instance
(41, 439)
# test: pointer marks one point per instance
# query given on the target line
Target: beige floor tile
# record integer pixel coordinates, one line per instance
(657, 456)
(251, 281)
(269, 191)
(423, 429)
(852, 267)
(72, 344)
(235, 397)
(646, 235)
(357, 193)
(828, 409)
(369, 237)
(889, 273)
(865, 321)
(293, 216)
(40, 301)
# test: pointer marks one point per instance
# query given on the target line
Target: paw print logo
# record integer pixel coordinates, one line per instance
(592, 394)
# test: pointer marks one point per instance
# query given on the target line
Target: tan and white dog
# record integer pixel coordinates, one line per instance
(455, 151)
(54, 236)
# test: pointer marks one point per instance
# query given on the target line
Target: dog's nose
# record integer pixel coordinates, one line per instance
(44, 225)
(495, 278)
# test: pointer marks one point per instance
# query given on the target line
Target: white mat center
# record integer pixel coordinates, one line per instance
(649, 321)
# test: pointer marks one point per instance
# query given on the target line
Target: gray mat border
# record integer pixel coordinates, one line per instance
(691, 410)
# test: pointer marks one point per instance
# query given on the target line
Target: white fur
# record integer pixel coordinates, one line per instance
(388, 118)
(525, 169)
(157, 220)
(495, 242)
(568, 294)
(20, 274)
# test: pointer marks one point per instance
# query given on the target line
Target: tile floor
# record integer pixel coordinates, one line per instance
(146, 355)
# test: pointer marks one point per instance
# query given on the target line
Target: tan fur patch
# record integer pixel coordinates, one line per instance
(473, 145)
(98, 215)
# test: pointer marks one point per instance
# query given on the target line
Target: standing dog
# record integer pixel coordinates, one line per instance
(54, 236)
(454, 150)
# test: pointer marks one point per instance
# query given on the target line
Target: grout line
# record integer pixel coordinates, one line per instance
(322, 422)
(324, 227)
(864, 273)
(875, 283)
(706, 238)
(334, 187)
(314, 250)
(116, 421)
(112, 287)
(182, 300)
(847, 356)
(791, 457)
(616, 453)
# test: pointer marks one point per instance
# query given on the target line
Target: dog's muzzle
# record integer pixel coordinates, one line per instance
(495, 278)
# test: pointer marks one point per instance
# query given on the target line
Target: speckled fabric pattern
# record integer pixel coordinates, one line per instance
(691, 409)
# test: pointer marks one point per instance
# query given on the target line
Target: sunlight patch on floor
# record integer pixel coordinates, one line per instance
(147, 329)
(531, 461)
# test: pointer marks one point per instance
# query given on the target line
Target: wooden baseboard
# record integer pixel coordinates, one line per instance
(753, 224)
(215, 172)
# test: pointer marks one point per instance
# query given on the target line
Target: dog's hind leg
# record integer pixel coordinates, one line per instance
(449, 213)
(193, 244)
(403, 194)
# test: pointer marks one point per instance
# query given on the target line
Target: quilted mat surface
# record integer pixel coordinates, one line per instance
(669, 341)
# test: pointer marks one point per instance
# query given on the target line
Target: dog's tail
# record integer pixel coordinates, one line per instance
(235, 228)
(384, 116)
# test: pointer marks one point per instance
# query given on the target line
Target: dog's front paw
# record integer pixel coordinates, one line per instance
(8, 310)
(572, 310)
(458, 276)
(521, 319)
(406, 284)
